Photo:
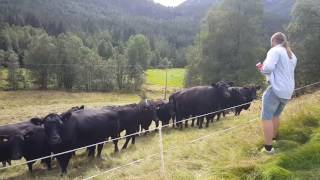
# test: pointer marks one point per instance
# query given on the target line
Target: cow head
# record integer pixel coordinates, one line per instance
(222, 89)
(251, 92)
(14, 142)
(53, 124)
(149, 109)
(164, 110)
(236, 96)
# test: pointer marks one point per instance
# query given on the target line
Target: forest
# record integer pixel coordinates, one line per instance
(108, 45)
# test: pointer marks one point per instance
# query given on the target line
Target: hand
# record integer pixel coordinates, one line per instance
(259, 66)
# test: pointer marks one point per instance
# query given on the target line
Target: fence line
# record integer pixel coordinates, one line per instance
(113, 169)
(170, 149)
(69, 151)
(122, 166)
(297, 89)
(106, 141)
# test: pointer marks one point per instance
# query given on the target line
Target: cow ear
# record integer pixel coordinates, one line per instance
(66, 116)
(27, 135)
(36, 121)
(4, 138)
(214, 85)
(81, 107)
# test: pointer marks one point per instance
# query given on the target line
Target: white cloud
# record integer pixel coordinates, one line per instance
(169, 2)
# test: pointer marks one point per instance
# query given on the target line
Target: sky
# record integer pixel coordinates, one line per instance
(171, 3)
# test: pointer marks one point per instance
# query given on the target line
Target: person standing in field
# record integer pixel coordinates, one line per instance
(278, 68)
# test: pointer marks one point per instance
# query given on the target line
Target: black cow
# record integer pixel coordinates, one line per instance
(24, 139)
(242, 95)
(148, 114)
(5, 150)
(131, 117)
(78, 129)
(172, 106)
(164, 111)
(28, 140)
(11, 140)
(199, 100)
(224, 104)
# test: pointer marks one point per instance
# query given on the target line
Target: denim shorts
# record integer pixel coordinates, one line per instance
(272, 105)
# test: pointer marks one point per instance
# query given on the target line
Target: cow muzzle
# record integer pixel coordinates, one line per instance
(55, 140)
(16, 156)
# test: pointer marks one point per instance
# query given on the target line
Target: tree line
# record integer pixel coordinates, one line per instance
(32, 59)
(234, 38)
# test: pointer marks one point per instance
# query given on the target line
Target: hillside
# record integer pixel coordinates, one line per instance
(122, 17)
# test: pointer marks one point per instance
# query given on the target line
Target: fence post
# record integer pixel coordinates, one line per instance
(166, 85)
(162, 169)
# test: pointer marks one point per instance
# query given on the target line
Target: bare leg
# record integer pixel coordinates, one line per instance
(268, 132)
(276, 124)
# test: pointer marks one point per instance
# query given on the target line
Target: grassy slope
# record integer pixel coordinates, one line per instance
(231, 155)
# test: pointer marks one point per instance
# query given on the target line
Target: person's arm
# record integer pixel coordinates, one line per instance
(270, 63)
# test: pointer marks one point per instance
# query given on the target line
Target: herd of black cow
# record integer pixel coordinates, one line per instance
(79, 126)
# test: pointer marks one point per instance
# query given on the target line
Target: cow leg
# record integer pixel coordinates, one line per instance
(178, 121)
(173, 122)
(91, 151)
(146, 131)
(126, 143)
(115, 142)
(219, 116)
(133, 139)
(4, 163)
(116, 148)
(63, 162)
(100, 146)
(186, 124)
(9, 162)
(30, 166)
(192, 122)
(48, 163)
(200, 122)
(224, 113)
(208, 121)
(213, 116)
(237, 111)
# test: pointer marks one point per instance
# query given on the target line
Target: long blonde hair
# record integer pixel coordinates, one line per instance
(281, 38)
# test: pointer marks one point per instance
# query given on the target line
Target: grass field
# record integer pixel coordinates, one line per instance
(157, 77)
(230, 155)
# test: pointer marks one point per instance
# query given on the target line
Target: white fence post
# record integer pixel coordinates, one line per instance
(162, 169)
